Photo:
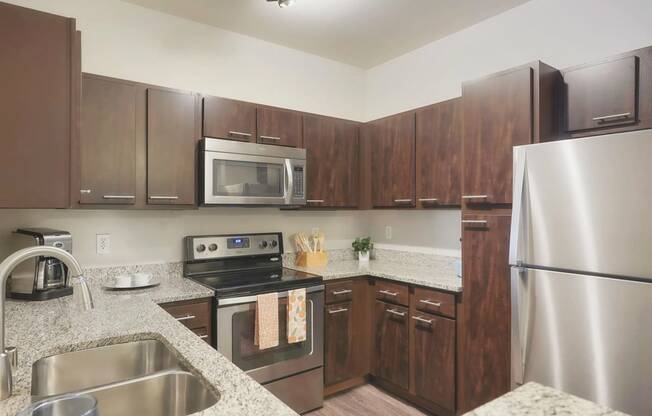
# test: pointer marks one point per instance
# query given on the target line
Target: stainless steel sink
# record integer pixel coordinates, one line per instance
(78, 370)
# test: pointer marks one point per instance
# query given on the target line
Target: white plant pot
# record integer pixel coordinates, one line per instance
(363, 256)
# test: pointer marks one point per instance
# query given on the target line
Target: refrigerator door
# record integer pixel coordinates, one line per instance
(585, 205)
(585, 335)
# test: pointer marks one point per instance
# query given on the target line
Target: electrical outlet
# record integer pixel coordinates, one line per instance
(388, 232)
(103, 244)
(315, 230)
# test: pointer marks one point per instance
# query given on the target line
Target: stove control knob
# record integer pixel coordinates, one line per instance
(201, 248)
(274, 243)
(263, 244)
(212, 247)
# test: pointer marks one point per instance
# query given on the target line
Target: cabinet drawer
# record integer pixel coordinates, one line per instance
(392, 292)
(203, 333)
(432, 301)
(339, 292)
(193, 315)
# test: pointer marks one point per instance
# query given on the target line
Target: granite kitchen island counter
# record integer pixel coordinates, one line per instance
(40, 329)
(533, 399)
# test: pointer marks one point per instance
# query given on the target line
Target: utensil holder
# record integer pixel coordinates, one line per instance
(306, 259)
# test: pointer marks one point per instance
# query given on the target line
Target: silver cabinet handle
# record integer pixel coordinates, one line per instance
(315, 201)
(388, 293)
(420, 319)
(475, 222)
(332, 311)
(401, 201)
(169, 198)
(269, 138)
(475, 196)
(395, 312)
(612, 116)
(238, 133)
(428, 199)
(203, 336)
(85, 191)
(119, 197)
(431, 303)
(342, 292)
(185, 318)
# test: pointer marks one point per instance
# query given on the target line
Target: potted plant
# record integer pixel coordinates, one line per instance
(363, 247)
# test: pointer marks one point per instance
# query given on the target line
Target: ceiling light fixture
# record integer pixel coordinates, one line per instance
(283, 3)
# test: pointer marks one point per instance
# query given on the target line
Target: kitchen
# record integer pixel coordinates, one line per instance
(133, 126)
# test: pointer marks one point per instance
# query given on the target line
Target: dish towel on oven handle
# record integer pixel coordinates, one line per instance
(296, 315)
(266, 326)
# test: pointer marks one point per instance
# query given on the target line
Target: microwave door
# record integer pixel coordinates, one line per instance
(234, 179)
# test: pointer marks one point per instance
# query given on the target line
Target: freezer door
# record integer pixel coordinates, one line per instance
(585, 335)
(585, 205)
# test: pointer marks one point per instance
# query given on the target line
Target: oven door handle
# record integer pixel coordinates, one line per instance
(250, 299)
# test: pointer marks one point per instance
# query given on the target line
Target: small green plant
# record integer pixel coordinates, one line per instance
(362, 245)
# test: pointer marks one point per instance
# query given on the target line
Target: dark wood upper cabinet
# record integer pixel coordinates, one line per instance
(391, 344)
(433, 360)
(108, 141)
(483, 317)
(332, 152)
(512, 108)
(229, 119)
(279, 127)
(39, 57)
(172, 136)
(439, 154)
(393, 161)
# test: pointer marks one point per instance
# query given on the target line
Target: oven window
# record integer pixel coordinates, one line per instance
(238, 178)
(248, 356)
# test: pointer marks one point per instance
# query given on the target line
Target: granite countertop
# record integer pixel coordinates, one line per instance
(41, 329)
(438, 273)
(533, 399)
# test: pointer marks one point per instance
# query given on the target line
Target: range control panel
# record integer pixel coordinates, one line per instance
(207, 247)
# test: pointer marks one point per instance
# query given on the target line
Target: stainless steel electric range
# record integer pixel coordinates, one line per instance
(239, 267)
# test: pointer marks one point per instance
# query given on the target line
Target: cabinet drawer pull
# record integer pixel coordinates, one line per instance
(388, 293)
(395, 312)
(269, 138)
(333, 311)
(315, 201)
(342, 292)
(612, 116)
(185, 318)
(85, 191)
(431, 303)
(402, 201)
(165, 198)
(203, 336)
(428, 199)
(475, 222)
(420, 319)
(119, 197)
(239, 133)
(475, 196)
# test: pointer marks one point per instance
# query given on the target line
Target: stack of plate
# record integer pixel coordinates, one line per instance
(132, 281)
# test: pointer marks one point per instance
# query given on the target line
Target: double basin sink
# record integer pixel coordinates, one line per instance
(135, 378)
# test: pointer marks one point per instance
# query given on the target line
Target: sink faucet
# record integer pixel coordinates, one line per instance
(8, 356)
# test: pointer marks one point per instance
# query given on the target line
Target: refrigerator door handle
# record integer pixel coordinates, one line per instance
(517, 232)
(522, 297)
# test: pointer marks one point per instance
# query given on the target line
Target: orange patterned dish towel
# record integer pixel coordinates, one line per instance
(266, 327)
(296, 315)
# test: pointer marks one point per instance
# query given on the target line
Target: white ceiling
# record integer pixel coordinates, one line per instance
(363, 33)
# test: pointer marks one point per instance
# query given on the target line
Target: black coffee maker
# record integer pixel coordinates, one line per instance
(40, 278)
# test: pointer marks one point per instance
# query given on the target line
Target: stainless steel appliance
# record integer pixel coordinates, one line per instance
(237, 173)
(237, 268)
(581, 275)
(40, 278)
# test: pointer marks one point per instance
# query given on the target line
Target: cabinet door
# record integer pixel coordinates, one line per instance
(497, 116)
(391, 344)
(280, 127)
(36, 58)
(393, 166)
(439, 153)
(484, 315)
(108, 141)
(602, 95)
(338, 354)
(229, 119)
(433, 360)
(171, 147)
(332, 152)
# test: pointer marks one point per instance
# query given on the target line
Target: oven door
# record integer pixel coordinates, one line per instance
(235, 337)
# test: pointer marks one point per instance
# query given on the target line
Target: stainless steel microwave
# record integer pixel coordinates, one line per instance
(239, 173)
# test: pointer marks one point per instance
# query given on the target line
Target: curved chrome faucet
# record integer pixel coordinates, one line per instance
(8, 357)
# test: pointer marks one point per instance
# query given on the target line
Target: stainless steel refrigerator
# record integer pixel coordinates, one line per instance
(581, 275)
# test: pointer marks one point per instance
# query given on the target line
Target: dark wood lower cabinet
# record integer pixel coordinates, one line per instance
(392, 344)
(338, 365)
(194, 314)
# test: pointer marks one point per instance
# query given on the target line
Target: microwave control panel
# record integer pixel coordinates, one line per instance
(299, 182)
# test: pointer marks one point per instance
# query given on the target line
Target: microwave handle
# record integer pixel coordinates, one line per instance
(289, 190)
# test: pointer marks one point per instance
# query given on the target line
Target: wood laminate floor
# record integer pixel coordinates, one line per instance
(365, 400)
